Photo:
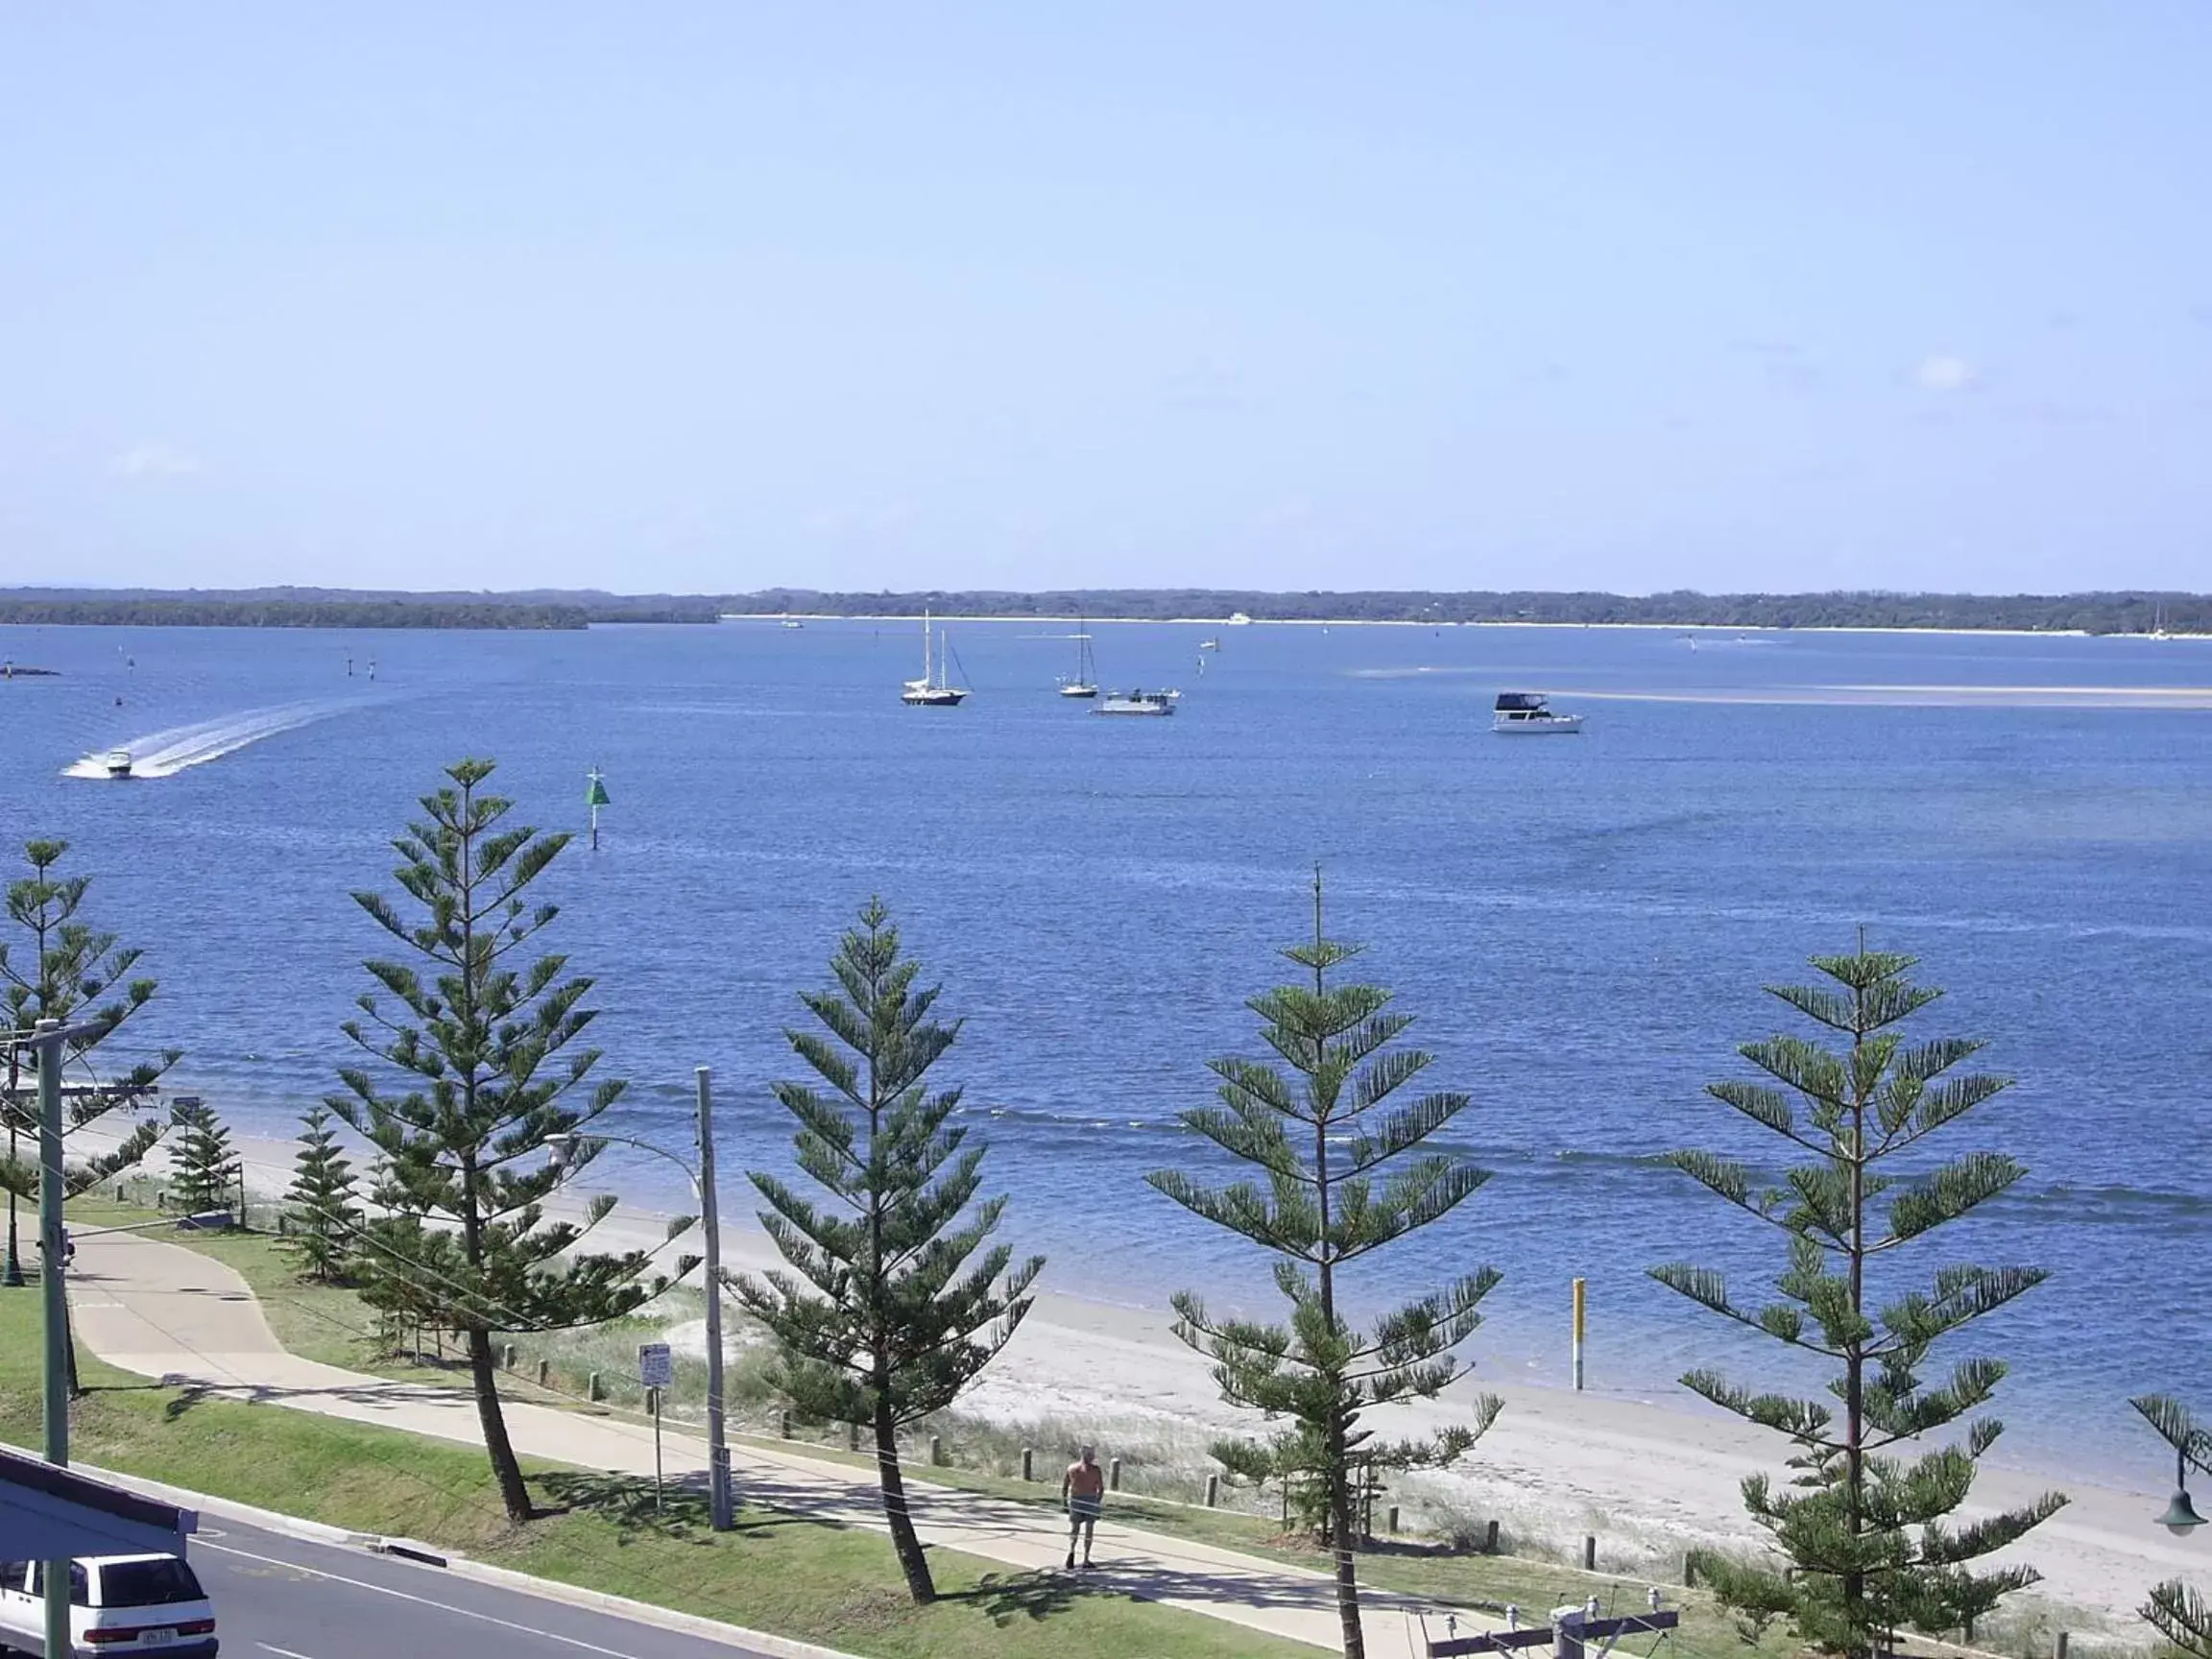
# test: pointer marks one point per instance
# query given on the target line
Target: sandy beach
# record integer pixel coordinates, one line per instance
(1648, 1477)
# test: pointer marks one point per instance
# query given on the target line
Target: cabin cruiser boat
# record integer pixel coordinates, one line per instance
(1526, 715)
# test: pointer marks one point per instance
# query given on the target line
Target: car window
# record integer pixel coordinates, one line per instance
(79, 1587)
(155, 1584)
(11, 1574)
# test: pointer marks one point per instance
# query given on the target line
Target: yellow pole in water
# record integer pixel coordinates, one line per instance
(1581, 1303)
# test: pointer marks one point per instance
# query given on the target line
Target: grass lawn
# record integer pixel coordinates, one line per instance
(819, 1582)
(326, 1324)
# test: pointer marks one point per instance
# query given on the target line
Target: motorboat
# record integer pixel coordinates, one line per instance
(1208, 644)
(1152, 703)
(933, 690)
(1526, 715)
(118, 763)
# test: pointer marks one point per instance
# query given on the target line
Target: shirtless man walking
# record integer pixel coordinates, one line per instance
(1083, 1495)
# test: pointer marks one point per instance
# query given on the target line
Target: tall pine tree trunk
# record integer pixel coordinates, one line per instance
(1334, 1448)
(1340, 1529)
(485, 1374)
(903, 1539)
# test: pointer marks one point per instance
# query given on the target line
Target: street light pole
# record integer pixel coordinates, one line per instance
(718, 1496)
(563, 1147)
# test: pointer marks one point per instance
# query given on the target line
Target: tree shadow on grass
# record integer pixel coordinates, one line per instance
(188, 1395)
(1006, 1598)
(682, 1510)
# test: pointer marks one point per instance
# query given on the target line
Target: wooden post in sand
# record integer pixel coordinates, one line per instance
(1114, 1485)
(1589, 1555)
(1579, 1308)
(1212, 1490)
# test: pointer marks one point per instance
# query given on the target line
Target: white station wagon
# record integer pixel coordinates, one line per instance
(117, 1604)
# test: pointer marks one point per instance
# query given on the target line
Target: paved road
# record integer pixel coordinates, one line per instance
(278, 1598)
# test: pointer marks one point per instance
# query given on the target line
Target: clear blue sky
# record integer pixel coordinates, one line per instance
(1486, 293)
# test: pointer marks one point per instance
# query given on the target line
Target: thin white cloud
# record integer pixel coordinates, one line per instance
(155, 460)
(1941, 373)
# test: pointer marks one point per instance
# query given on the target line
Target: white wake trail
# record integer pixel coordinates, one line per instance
(164, 754)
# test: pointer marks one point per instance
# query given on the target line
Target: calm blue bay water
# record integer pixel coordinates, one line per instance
(1581, 924)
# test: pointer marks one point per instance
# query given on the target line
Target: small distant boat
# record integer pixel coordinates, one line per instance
(1239, 620)
(1526, 715)
(1208, 644)
(791, 621)
(1085, 683)
(1152, 703)
(118, 763)
(932, 690)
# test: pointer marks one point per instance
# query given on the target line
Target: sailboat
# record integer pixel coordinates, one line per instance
(1085, 684)
(932, 690)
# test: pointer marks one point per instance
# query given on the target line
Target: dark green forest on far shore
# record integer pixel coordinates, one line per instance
(2098, 612)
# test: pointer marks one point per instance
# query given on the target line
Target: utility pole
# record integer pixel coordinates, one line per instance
(46, 1041)
(718, 1496)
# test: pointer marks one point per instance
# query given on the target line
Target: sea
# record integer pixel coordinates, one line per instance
(1582, 927)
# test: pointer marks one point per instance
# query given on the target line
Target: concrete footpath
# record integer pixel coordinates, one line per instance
(163, 1311)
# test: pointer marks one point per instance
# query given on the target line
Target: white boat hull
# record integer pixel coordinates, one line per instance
(1546, 726)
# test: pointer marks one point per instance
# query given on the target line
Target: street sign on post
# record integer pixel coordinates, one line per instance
(656, 1370)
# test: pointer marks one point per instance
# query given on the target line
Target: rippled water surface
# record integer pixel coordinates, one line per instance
(1581, 924)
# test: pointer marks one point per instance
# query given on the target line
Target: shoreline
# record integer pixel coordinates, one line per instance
(779, 616)
(1554, 1466)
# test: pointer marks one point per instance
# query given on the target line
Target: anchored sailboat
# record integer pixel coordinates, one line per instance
(1085, 684)
(932, 690)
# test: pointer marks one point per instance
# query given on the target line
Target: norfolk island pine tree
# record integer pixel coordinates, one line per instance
(55, 965)
(323, 1204)
(889, 1310)
(1865, 1528)
(59, 967)
(483, 1050)
(1341, 1174)
(203, 1168)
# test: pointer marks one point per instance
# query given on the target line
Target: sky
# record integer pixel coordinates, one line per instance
(710, 297)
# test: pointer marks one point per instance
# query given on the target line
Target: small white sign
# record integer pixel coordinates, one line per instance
(655, 1368)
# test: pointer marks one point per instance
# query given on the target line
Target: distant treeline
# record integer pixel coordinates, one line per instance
(2103, 612)
(2115, 613)
(337, 608)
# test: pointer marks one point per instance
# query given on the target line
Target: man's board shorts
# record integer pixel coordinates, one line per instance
(1082, 1506)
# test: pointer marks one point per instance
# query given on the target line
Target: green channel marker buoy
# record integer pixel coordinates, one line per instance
(595, 797)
